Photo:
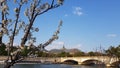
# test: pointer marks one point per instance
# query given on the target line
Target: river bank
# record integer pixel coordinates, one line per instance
(51, 60)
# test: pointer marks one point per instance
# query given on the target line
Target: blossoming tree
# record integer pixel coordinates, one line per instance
(13, 26)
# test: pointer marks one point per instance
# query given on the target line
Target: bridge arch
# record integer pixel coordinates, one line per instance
(117, 63)
(92, 62)
(70, 62)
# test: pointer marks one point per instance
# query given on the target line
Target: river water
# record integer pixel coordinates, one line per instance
(54, 66)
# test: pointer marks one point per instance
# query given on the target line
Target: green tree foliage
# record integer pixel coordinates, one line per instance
(42, 54)
(91, 53)
(25, 51)
(63, 54)
(78, 54)
(3, 52)
(113, 51)
(118, 52)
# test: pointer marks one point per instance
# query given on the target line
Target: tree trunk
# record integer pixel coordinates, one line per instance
(1, 40)
(2, 27)
(8, 65)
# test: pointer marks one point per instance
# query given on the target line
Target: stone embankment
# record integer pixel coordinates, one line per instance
(2, 59)
(29, 60)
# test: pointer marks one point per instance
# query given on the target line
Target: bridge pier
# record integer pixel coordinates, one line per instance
(79, 63)
(108, 65)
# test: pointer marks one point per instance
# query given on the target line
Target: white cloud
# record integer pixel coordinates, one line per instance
(77, 11)
(66, 15)
(112, 35)
(79, 46)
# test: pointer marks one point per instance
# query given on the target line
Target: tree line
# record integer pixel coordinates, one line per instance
(111, 51)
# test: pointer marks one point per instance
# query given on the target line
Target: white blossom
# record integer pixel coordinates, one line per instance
(4, 22)
(43, 6)
(5, 7)
(1, 34)
(16, 10)
(11, 54)
(26, 12)
(60, 2)
(16, 32)
(36, 29)
(22, 47)
(14, 1)
(5, 31)
(28, 47)
(10, 20)
(20, 25)
(25, 1)
(47, 5)
(15, 52)
(31, 7)
(35, 1)
(37, 10)
(2, 1)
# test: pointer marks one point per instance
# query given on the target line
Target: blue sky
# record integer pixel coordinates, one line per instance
(87, 25)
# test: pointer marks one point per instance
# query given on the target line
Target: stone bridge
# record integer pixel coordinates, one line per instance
(108, 61)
